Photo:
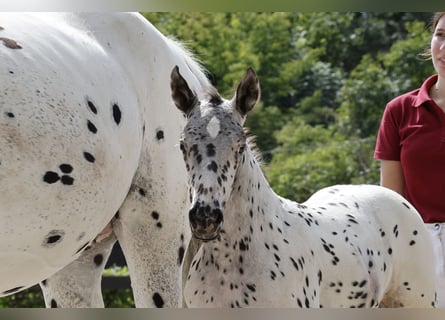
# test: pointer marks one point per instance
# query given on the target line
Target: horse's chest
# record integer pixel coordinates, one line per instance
(240, 279)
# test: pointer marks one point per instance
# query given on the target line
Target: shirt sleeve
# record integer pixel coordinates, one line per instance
(388, 144)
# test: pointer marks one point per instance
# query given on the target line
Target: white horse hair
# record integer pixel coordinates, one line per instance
(86, 136)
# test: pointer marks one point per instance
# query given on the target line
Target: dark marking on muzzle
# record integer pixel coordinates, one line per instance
(205, 221)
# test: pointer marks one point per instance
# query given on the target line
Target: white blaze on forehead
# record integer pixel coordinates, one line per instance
(213, 127)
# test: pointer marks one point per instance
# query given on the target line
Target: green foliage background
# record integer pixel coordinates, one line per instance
(325, 77)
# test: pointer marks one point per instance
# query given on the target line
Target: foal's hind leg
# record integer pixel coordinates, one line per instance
(78, 285)
(412, 290)
(413, 284)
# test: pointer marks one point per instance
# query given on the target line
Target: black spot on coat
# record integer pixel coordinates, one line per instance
(98, 259)
(53, 237)
(66, 168)
(51, 177)
(160, 135)
(89, 157)
(92, 107)
(158, 301)
(53, 303)
(91, 127)
(67, 180)
(181, 252)
(117, 115)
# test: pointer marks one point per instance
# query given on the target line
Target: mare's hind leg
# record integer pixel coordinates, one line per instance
(78, 285)
(150, 230)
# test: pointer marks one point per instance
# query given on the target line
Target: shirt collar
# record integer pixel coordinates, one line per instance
(424, 91)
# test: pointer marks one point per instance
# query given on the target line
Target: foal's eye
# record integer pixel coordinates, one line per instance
(241, 150)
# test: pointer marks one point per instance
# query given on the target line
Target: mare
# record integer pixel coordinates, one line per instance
(88, 155)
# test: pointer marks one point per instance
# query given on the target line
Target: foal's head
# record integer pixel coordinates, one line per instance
(212, 142)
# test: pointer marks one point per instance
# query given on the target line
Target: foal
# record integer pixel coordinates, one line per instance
(347, 246)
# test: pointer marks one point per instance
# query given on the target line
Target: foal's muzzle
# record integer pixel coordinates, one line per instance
(205, 221)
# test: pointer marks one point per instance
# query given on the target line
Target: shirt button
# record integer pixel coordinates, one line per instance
(437, 226)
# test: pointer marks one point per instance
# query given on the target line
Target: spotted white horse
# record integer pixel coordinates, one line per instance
(347, 246)
(87, 136)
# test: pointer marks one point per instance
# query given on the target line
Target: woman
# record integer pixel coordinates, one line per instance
(411, 147)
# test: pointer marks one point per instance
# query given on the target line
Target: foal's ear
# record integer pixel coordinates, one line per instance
(248, 92)
(184, 98)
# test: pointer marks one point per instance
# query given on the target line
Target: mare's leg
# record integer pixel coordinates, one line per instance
(78, 285)
(150, 230)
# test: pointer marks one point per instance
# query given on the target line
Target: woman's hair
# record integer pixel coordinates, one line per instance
(436, 19)
(426, 53)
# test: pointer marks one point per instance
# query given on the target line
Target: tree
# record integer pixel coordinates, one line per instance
(375, 81)
(404, 62)
(312, 157)
(363, 97)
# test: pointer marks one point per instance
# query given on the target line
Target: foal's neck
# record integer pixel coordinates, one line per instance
(252, 201)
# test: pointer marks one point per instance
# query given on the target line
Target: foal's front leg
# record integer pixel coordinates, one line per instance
(78, 285)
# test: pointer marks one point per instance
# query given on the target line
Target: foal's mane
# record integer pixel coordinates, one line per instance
(251, 142)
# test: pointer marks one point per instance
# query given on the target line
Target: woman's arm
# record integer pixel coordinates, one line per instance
(391, 175)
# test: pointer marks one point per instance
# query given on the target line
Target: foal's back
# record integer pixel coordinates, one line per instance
(374, 249)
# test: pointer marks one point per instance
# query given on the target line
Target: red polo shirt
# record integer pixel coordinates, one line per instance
(412, 131)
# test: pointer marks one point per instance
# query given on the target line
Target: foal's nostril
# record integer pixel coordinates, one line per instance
(217, 216)
(193, 215)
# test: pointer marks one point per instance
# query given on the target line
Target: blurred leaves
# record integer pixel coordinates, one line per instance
(325, 78)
